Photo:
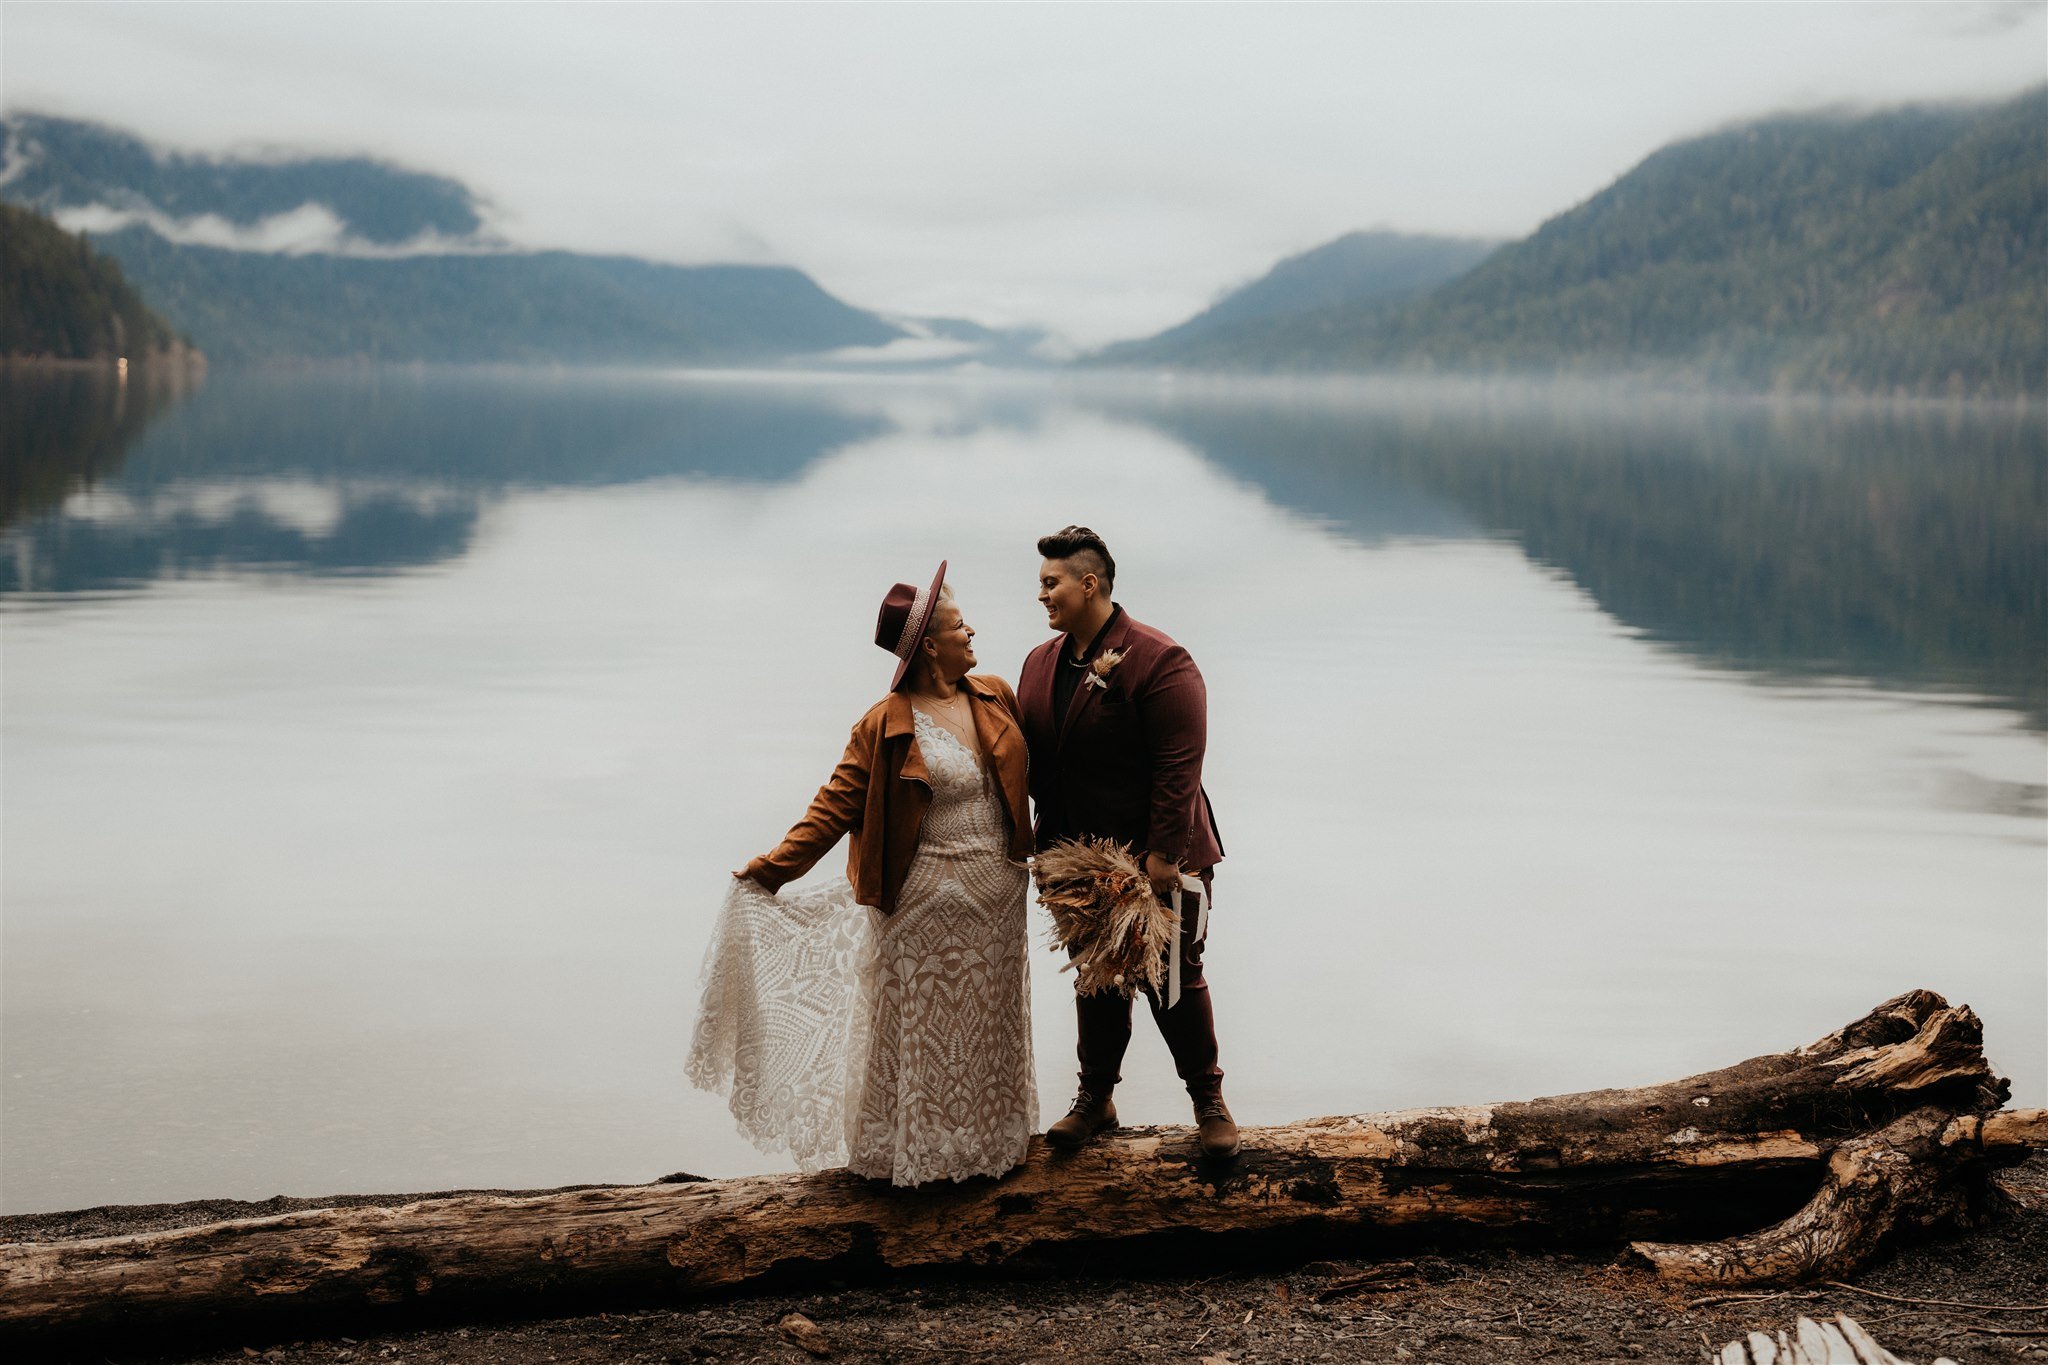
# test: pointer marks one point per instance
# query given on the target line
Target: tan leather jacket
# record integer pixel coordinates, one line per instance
(879, 793)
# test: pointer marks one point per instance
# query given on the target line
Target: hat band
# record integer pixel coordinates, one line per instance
(913, 624)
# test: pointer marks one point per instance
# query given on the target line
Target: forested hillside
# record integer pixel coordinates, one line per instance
(249, 305)
(62, 300)
(1364, 271)
(1903, 250)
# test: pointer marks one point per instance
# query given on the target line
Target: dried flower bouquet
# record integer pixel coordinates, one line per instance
(1105, 915)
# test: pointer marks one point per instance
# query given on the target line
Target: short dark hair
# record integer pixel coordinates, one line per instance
(1078, 542)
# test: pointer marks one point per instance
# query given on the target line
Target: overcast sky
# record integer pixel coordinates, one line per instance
(1103, 170)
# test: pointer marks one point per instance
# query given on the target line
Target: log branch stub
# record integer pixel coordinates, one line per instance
(2008, 1130)
(1913, 1170)
(1871, 1181)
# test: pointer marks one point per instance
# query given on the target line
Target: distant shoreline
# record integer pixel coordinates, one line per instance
(1512, 389)
(182, 359)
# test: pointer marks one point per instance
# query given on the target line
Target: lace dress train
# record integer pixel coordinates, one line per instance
(782, 1017)
(899, 1047)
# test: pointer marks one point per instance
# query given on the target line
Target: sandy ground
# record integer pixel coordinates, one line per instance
(1977, 1296)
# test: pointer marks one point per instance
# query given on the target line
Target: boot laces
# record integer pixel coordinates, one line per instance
(1212, 1107)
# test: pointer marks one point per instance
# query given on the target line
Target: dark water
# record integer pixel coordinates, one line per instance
(375, 744)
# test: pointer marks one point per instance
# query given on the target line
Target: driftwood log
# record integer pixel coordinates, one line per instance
(1892, 1121)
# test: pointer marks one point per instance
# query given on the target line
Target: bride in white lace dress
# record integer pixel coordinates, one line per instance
(882, 1021)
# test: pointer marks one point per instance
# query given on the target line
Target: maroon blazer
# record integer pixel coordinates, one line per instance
(1125, 761)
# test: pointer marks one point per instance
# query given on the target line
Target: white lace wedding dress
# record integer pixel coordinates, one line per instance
(898, 1046)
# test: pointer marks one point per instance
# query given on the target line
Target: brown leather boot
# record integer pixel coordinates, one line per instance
(1092, 1113)
(1217, 1129)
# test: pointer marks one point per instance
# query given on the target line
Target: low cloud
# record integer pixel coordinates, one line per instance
(310, 229)
(16, 157)
(1995, 16)
(926, 350)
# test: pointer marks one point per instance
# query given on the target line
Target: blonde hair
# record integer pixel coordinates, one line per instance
(922, 660)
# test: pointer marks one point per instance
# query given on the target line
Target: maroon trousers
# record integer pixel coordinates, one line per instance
(1189, 1028)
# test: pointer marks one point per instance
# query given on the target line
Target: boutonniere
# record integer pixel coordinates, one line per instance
(1105, 664)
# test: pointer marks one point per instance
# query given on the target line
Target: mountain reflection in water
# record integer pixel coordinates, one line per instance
(346, 473)
(1799, 541)
(1907, 547)
(65, 428)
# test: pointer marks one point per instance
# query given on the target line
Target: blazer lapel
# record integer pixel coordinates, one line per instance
(1034, 688)
(1112, 637)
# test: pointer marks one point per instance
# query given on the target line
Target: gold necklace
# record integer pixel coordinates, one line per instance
(950, 716)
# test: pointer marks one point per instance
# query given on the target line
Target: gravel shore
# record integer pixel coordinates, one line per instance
(1980, 1296)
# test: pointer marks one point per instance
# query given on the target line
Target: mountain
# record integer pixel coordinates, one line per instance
(350, 258)
(1365, 271)
(527, 306)
(1904, 250)
(62, 300)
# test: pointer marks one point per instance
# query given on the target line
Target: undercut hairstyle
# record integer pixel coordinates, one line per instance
(1082, 545)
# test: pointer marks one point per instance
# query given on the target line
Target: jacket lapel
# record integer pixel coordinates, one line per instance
(897, 723)
(992, 725)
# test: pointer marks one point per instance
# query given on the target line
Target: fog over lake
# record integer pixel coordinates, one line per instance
(376, 746)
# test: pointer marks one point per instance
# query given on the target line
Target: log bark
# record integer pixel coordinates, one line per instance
(1891, 1118)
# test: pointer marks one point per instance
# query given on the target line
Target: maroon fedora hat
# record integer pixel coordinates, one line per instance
(906, 615)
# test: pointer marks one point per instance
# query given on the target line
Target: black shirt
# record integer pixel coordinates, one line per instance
(1067, 674)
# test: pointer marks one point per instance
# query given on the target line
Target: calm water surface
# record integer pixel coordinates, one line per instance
(375, 748)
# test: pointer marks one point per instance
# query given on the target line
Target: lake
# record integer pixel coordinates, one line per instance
(376, 745)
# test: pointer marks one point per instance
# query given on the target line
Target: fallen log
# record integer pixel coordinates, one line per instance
(1895, 1119)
